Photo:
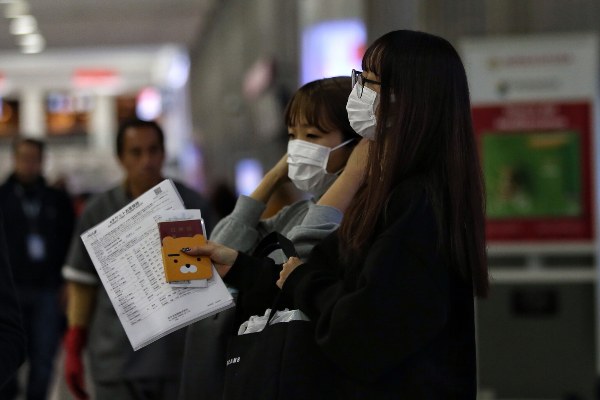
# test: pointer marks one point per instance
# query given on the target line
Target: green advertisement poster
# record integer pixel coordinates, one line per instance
(532, 174)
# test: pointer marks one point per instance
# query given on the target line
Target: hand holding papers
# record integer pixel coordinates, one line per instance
(126, 252)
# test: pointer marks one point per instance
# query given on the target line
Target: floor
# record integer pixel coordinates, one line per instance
(58, 389)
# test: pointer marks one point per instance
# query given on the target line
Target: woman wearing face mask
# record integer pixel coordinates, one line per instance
(320, 142)
(391, 292)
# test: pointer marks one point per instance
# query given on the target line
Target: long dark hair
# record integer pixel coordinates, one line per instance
(424, 128)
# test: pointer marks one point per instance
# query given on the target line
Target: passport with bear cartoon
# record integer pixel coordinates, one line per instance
(175, 235)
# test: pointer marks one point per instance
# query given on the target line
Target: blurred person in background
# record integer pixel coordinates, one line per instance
(12, 336)
(320, 141)
(38, 222)
(117, 371)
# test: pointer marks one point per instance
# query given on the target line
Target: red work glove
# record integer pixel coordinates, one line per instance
(73, 342)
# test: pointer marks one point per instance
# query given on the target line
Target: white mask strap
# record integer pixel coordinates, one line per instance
(342, 144)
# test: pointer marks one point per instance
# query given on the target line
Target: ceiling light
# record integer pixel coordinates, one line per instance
(23, 25)
(32, 39)
(32, 49)
(16, 8)
(31, 44)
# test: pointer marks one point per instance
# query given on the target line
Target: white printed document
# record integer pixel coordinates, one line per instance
(126, 251)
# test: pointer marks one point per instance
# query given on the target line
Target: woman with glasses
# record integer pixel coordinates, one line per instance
(391, 292)
(320, 142)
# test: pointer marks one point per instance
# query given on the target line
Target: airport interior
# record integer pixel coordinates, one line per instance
(217, 74)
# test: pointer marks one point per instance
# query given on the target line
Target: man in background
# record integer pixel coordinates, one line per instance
(117, 371)
(38, 223)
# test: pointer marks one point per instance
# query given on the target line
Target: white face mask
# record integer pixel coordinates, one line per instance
(361, 112)
(307, 166)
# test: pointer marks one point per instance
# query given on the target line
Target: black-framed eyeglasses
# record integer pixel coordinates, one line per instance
(358, 82)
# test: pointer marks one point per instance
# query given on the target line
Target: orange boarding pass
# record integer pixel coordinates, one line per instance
(175, 235)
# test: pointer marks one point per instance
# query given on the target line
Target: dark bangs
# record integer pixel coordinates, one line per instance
(306, 109)
(322, 104)
(372, 60)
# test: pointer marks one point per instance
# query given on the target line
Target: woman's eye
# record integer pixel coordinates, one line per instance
(291, 136)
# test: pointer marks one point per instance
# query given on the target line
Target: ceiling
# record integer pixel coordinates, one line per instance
(107, 23)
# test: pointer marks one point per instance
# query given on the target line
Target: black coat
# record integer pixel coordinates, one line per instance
(12, 336)
(54, 222)
(397, 322)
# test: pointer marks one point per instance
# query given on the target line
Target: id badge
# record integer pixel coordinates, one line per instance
(36, 247)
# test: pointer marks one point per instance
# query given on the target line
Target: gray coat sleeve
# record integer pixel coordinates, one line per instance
(304, 223)
(318, 223)
(242, 228)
